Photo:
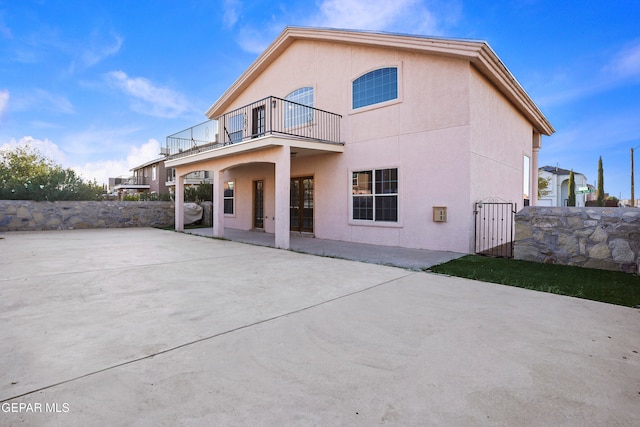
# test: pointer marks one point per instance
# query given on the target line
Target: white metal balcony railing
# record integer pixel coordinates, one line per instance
(131, 181)
(268, 116)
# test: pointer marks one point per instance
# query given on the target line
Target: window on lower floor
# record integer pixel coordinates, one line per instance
(375, 195)
(526, 180)
(229, 195)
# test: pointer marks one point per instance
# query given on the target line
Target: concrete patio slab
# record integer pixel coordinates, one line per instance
(414, 259)
(149, 327)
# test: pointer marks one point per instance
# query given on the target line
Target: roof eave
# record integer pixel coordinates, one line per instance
(478, 53)
(492, 67)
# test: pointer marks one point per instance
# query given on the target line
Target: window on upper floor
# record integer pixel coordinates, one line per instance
(374, 87)
(236, 128)
(297, 112)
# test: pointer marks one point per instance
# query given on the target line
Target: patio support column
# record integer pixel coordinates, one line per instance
(179, 202)
(537, 142)
(283, 183)
(218, 203)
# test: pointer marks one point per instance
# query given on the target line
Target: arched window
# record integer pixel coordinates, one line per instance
(297, 113)
(374, 87)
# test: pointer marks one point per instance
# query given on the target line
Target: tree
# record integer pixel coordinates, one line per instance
(543, 186)
(25, 174)
(571, 201)
(600, 183)
(203, 192)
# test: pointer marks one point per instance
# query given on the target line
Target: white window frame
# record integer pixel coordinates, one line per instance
(399, 99)
(232, 197)
(297, 115)
(397, 194)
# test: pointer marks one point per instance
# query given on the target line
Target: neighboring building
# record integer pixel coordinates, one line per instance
(154, 178)
(365, 137)
(558, 187)
(149, 177)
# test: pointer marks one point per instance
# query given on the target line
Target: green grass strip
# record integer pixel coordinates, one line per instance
(598, 285)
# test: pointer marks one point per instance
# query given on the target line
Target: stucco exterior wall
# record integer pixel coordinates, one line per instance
(423, 133)
(452, 136)
(500, 138)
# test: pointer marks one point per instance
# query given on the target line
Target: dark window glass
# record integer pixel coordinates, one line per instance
(387, 208)
(228, 197)
(375, 201)
(363, 207)
(374, 87)
(387, 181)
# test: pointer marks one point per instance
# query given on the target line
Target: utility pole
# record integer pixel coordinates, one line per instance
(633, 203)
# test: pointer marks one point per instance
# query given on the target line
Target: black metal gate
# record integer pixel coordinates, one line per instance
(494, 225)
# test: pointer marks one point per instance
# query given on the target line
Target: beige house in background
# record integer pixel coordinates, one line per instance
(365, 137)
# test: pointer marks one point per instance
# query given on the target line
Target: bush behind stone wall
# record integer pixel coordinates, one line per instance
(603, 238)
(27, 215)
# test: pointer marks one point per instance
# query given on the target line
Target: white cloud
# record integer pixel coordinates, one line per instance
(4, 101)
(626, 62)
(578, 81)
(402, 16)
(147, 98)
(102, 170)
(98, 141)
(97, 51)
(143, 153)
(44, 146)
(408, 16)
(253, 40)
(230, 16)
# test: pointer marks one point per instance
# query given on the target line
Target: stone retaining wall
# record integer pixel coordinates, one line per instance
(603, 238)
(27, 215)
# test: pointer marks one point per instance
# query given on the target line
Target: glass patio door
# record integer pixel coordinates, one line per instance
(258, 204)
(301, 205)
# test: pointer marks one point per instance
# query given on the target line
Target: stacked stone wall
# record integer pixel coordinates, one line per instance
(603, 238)
(27, 215)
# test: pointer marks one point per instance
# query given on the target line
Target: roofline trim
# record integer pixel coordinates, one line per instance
(477, 52)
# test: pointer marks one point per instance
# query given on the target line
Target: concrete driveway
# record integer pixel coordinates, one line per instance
(145, 327)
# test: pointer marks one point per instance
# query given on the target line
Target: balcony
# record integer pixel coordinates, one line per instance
(131, 183)
(268, 116)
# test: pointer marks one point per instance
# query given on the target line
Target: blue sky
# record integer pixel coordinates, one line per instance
(98, 85)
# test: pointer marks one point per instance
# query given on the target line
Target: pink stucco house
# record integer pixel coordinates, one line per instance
(365, 137)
